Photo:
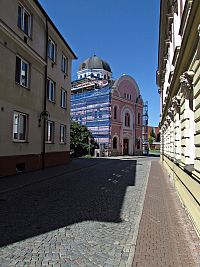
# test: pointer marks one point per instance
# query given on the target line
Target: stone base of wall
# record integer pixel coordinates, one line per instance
(188, 189)
(11, 165)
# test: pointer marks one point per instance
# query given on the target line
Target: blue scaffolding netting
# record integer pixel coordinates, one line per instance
(93, 109)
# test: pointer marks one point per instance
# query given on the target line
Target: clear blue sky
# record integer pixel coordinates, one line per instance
(124, 33)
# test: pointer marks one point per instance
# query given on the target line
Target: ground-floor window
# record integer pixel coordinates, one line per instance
(20, 126)
(49, 131)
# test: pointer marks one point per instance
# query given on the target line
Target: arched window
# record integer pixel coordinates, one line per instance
(115, 143)
(138, 118)
(115, 112)
(127, 119)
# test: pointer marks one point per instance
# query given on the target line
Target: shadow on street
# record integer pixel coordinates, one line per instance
(94, 193)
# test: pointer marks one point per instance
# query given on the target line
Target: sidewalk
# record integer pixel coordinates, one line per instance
(165, 237)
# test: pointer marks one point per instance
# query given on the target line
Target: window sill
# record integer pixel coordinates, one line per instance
(51, 101)
(26, 35)
(22, 86)
(65, 108)
(51, 143)
(20, 141)
(52, 61)
(62, 143)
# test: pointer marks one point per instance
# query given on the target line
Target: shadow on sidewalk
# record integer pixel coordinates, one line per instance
(95, 193)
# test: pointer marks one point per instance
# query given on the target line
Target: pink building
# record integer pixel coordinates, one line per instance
(127, 107)
(112, 110)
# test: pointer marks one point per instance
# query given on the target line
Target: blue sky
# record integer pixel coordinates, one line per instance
(124, 33)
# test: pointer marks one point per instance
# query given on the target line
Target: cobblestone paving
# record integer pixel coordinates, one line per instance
(87, 217)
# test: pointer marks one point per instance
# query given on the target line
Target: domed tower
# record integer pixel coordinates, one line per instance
(95, 68)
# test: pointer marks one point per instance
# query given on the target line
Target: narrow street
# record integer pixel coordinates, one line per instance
(86, 213)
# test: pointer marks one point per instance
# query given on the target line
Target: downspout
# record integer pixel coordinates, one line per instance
(45, 97)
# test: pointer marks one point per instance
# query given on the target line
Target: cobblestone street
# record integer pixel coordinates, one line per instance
(83, 214)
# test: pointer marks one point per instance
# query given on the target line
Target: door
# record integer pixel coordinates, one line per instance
(125, 146)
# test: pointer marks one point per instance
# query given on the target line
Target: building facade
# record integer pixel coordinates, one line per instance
(35, 71)
(112, 110)
(178, 79)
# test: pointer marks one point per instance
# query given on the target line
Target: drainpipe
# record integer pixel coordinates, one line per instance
(45, 98)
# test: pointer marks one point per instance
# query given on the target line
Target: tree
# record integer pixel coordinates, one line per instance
(81, 140)
(152, 134)
(151, 139)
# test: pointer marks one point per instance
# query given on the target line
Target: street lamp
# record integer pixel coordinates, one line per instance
(43, 115)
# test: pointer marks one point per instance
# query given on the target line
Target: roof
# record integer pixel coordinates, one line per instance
(53, 25)
(94, 62)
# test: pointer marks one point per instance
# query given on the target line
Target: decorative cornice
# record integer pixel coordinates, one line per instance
(186, 81)
(176, 102)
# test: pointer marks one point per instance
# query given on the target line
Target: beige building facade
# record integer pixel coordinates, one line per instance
(35, 78)
(178, 79)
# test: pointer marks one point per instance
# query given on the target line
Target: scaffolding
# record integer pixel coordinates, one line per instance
(93, 109)
(145, 142)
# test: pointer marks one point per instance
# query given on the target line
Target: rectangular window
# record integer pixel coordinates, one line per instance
(20, 126)
(62, 134)
(22, 71)
(51, 50)
(24, 20)
(51, 90)
(64, 63)
(63, 101)
(49, 132)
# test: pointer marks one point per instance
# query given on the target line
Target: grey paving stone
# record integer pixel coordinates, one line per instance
(86, 216)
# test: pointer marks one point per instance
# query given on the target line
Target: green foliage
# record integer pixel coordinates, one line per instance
(152, 134)
(151, 139)
(81, 140)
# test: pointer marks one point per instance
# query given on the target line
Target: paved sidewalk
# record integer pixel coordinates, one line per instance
(166, 237)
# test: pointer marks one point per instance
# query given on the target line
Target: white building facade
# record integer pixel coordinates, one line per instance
(178, 79)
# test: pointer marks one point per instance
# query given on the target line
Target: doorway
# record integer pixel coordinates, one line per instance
(125, 147)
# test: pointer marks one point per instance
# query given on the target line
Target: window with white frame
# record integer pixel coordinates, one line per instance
(63, 100)
(51, 90)
(62, 134)
(49, 132)
(20, 126)
(22, 71)
(24, 20)
(64, 63)
(51, 50)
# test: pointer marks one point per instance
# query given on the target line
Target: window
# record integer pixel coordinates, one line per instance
(115, 143)
(127, 119)
(51, 50)
(138, 118)
(100, 113)
(62, 134)
(49, 131)
(51, 91)
(64, 63)
(21, 73)
(19, 126)
(63, 100)
(115, 112)
(24, 20)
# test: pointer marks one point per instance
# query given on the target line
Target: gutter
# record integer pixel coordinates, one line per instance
(45, 97)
